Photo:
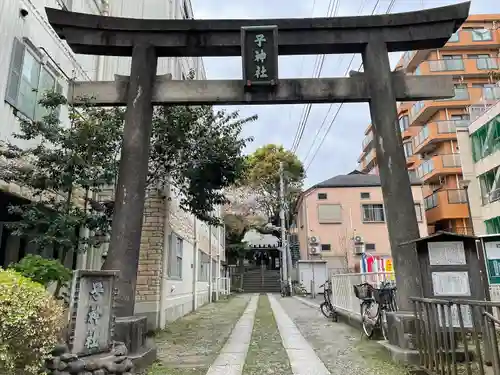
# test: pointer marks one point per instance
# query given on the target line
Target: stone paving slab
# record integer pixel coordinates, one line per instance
(232, 357)
(342, 349)
(189, 345)
(303, 359)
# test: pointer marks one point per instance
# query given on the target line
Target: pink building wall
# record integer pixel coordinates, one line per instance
(339, 235)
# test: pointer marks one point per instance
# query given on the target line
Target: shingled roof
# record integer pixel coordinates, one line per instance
(354, 179)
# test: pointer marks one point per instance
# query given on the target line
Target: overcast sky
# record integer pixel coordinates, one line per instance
(278, 124)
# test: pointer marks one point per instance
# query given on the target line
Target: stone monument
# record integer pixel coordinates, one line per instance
(91, 348)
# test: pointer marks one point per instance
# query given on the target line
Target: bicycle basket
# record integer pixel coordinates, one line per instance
(383, 296)
(363, 291)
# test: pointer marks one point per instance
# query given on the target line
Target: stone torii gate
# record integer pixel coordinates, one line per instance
(371, 36)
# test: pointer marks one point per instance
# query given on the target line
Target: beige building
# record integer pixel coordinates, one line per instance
(332, 214)
(480, 155)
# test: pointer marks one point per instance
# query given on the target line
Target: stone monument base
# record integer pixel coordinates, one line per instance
(115, 362)
(132, 330)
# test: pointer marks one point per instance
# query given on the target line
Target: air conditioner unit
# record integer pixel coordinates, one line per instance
(442, 180)
(314, 240)
(313, 250)
(358, 240)
(359, 249)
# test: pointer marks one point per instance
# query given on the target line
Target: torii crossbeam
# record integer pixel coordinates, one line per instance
(372, 36)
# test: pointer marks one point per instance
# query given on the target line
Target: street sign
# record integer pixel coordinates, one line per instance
(259, 55)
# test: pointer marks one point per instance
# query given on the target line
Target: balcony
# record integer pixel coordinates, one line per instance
(430, 170)
(367, 141)
(473, 39)
(423, 110)
(436, 132)
(480, 67)
(367, 163)
(445, 205)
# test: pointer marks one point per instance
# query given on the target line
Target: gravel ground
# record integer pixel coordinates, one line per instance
(189, 345)
(266, 354)
(342, 349)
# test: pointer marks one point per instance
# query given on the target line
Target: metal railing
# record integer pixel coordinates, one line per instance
(343, 297)
(456, 196)
(431, 201)
(367, 140)
(447, 330)
(446, 65)
(225, 286)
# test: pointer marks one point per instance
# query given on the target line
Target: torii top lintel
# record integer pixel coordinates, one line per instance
(113, 36)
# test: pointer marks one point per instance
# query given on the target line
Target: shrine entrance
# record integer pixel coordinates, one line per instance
(259, 42)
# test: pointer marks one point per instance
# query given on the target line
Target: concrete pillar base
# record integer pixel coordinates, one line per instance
(131, 330)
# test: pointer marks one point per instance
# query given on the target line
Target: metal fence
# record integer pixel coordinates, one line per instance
(343, 297)
(225, 286)
(457, 336)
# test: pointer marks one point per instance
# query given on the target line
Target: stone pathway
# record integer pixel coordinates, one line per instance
(232, 358)
(267, 334)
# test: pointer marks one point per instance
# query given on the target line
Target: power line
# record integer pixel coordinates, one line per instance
(359, 12)
(332, 11)
(389, 8)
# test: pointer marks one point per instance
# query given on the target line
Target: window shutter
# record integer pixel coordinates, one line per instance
(16, 66)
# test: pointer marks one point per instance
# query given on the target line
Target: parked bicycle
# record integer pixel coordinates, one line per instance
(327, 307)
(375, 303)
(285, 289)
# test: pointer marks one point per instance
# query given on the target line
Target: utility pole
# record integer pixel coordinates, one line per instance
(284, 247)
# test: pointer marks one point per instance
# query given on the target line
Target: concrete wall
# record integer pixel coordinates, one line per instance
(339, 235)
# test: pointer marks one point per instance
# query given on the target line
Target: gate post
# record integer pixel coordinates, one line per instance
(398, 198)
(124, 248)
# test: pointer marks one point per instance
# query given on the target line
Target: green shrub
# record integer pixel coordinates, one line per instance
(42, 270)
(31, 322)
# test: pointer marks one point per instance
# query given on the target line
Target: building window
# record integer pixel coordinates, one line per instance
(326, 247)
(28, 81)
(365, 195)
(370, 246)
(479, 35)
(204, 264)
(489, 183)
(418, 211)
(408, 148)
(175, 251)
(404, 123)
(486, 139)
(493, 225)
(329, 213)
(373, 213)
(322, 196)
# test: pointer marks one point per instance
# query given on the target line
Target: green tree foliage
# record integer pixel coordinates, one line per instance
(263, 176)
(31, 323)
(43, 271)
(198, 149)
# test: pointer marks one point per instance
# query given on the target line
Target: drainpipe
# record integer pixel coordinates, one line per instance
(196, 260)
(162, 317)
(210, 269)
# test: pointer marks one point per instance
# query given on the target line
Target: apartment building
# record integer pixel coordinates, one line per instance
(480, 155)
(180, 256)
(428, 127)
(332, 216)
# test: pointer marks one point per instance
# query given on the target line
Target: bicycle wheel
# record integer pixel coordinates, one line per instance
(325, 309)
(368, 320)
(383, 324)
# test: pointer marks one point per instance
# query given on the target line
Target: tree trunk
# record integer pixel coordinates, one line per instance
(242, 269)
